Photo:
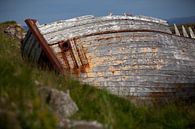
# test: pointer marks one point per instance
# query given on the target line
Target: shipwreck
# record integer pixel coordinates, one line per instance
(133, 56)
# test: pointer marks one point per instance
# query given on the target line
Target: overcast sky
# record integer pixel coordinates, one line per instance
(50, 10)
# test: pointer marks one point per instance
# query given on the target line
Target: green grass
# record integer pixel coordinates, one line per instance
(21, 107)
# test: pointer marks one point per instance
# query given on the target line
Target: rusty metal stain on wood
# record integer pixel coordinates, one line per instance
(75, 53)
(81, 54)
(70, 54)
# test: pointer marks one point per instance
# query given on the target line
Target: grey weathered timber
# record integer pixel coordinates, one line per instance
(185, 34)
(191, 33)
(132, 56)
(176, 30)
(72, 28)
(31, 48)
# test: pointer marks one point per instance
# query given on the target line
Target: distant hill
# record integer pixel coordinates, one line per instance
(182, 20)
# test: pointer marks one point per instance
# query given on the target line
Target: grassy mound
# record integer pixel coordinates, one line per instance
(21, 106)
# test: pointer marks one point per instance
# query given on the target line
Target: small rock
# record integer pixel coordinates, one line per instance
(60, 102)
(73, 124)
(37, 83)
(15, 31)
(64, 107)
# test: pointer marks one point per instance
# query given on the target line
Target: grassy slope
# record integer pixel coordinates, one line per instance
(20, 105)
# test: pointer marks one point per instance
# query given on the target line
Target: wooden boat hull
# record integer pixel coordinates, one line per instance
(135, 57)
